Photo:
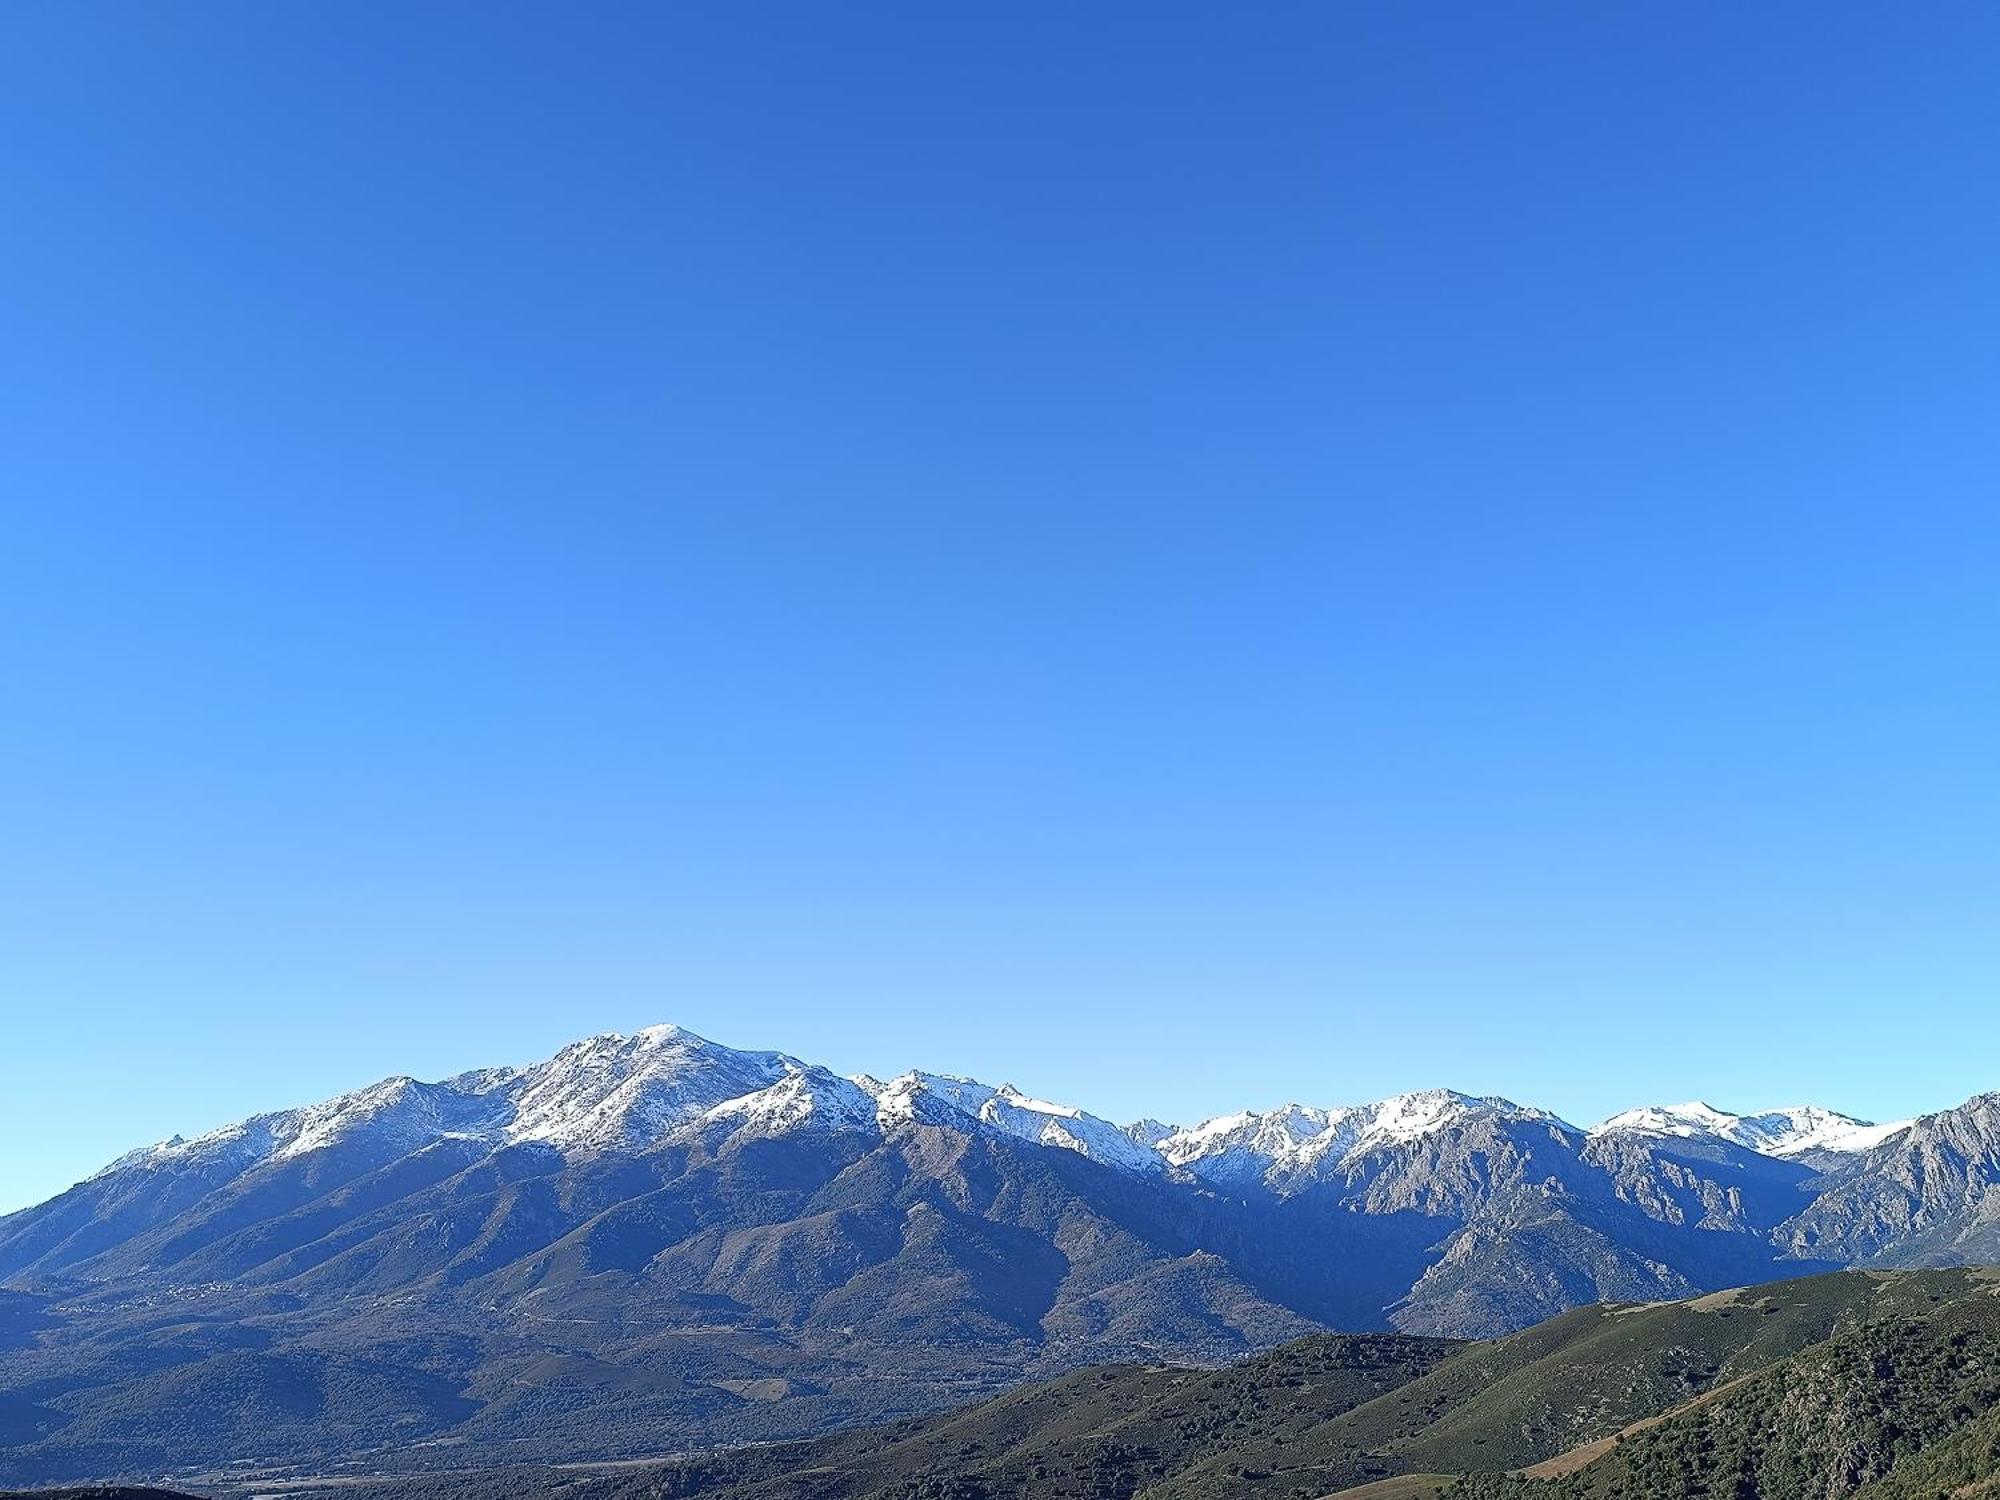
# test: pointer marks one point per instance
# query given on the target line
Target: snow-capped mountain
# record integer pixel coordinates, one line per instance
(916, 1096)
(621, 1091)
(633, 1093)
(629, 1093)
(1927, 1195)
(605, 1092)
(804, 1098)
(680, 1218)
(398, 1110)
(1802, 1131)
(1287, 1148)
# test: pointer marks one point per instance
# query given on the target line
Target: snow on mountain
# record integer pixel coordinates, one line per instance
(612, 1091)
(914, 1097)
(806, 1097)
(1274, 1147)
(1150, 1132)
(1929, 1194)
(1296, 1144)
(240, 1146)
(631, 1093)
(410, 1113)
(1409, 1117)
(603, 1092)
(1798, 1131)
(1827, 1130)
(401, 1112)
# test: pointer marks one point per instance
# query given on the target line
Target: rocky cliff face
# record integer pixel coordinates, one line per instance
(1929, 1195)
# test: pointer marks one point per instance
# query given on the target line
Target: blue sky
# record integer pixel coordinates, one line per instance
(1182, 556)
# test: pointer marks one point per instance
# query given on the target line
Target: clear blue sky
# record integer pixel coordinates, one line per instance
(1184, 556)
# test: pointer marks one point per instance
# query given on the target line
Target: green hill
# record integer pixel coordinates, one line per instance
(1901, 1404)
(1509, 1403)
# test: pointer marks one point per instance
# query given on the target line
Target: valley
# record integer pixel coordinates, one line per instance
(653, 1244)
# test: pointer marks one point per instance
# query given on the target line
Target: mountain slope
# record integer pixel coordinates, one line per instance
(653, 1241)
(1803, 1132)
(1107, 1430)
(1965, 1466)
(759, 1287)
(1329, 1414)
(1845, 1414)
(1927, 1196)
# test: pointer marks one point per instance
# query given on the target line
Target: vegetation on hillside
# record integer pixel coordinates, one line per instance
(1820, 1425)
(1815, 1387)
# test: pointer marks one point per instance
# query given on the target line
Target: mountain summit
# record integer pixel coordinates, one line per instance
(655, 1240)
(1803, 1131)
(614, 1092)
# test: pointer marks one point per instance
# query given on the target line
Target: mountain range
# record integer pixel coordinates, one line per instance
(653, 1242)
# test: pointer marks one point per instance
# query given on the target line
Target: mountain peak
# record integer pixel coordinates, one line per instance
(1296, 1144)
(803, 1097)
(1795, 1131)
(1150, 1132)
(920, 1097)
(631, 1092)
(613, 1090)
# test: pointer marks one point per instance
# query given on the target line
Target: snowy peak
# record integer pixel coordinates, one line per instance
(633, 1093)
(1150, 1132)
(805, 1098)
(1409, 1117)
(605, 1092)
(1685, 1120)
(1816, 1129)
(402, 1112)
(1802, 1130)
(613, 1091)
(932, 1097)
(1296, 1144)
(396, 1115)
(1273, 1133)
(1276, 1148)
(1267, 1137)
